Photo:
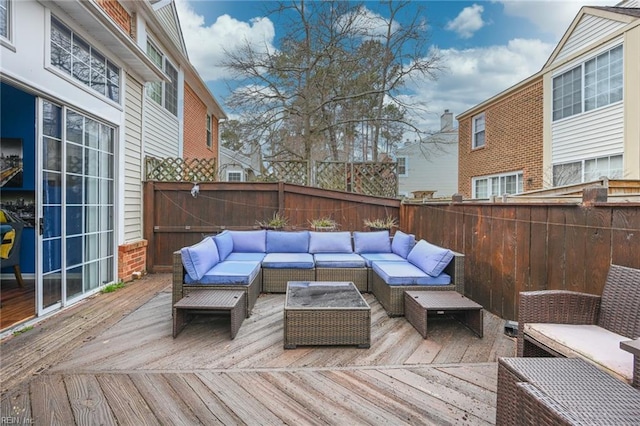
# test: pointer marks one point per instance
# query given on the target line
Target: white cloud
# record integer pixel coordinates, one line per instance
(369, 23)
(206, 44)
(476, 74)
(550, 16)
(467, 22)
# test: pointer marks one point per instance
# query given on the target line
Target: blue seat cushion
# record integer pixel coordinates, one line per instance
(338, 260)
(230, 272)
(256, 257)
(288, 261)
(371, 242)
(199, 258)
(373, 257)
(287, 242)
(249, 241)
(224, 241)
(405, 273)
(402, 243)
(430, 258)
(330, 242)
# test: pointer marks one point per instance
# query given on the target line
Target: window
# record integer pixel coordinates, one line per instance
(567, 94)
(164, 94)
(5, 19)
(72, 55)
(209, 141)
(601, 79)
(507, 183)
(402, 166)
(478, 131)
(234, 176)
(587, 170)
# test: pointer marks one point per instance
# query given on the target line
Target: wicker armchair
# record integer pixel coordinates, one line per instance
(617, 310)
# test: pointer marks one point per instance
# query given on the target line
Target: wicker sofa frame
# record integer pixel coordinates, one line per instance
(181, 289)
(617, 310)
(562, 391)
(391, 297)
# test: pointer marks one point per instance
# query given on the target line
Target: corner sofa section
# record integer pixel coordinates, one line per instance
(264, 261)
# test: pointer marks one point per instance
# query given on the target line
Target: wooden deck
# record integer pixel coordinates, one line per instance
(112, 360)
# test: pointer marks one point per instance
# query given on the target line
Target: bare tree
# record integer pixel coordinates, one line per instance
(332, 80)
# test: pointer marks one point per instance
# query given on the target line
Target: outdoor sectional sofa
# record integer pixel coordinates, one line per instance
(264, 261)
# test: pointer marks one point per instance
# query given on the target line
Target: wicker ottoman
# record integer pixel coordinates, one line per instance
(208, 301)
(418, 304)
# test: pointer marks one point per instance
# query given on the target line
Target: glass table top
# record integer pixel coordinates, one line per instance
(323, 294)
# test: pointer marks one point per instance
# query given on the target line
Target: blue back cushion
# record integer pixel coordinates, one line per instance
(402, 243)
(249, 241)
(330, 242)
(199, 258)
(224, 241)
(287, 242)
(371, 242)
(430, 258)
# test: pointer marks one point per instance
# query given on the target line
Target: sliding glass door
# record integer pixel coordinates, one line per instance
(77, 199)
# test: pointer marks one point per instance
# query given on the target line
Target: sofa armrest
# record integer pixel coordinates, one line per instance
(633, 346)
(178, 276)
(455, 270)
(557, 307)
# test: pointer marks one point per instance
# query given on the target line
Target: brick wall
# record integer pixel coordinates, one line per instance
(118, 13)
(132, 259)
(195, 130)
(513, 140)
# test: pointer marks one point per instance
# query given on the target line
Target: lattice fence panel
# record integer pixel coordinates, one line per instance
(331, 175)
(181, 170)
(377, 179)
(289, 171)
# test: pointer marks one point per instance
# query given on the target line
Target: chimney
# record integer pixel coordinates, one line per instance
(446, 121)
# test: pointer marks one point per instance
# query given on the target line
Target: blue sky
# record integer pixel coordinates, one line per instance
(486, 46)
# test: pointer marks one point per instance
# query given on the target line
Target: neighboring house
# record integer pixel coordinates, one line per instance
(431, 165)
(576, 120)
(89, 88)
(236, 167)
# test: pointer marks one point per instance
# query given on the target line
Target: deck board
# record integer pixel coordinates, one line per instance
(119, 364)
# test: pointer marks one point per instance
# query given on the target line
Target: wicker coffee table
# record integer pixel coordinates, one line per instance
(325, 313)
(231, 302)
(418, 304)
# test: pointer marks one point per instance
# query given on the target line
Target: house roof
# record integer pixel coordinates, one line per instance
(240, 158)
(631, 11)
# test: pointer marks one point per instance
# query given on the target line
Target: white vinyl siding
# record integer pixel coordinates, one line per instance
(133, 161)
(589, 30)
(430, 167)
(162, 133)
(593, 134)
(166, 16)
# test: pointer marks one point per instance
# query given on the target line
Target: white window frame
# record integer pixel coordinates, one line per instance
(163, 88)
(475, 143)
(616, 173)
(7, 39)
(405, 165)
(209, 135)
(590, 100)
(235, 172)
(494, 184)
(112, 72)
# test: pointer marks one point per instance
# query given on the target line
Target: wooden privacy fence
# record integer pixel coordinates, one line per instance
(519, 247)
(175, 218)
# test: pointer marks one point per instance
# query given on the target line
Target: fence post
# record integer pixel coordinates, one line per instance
(594, 194)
